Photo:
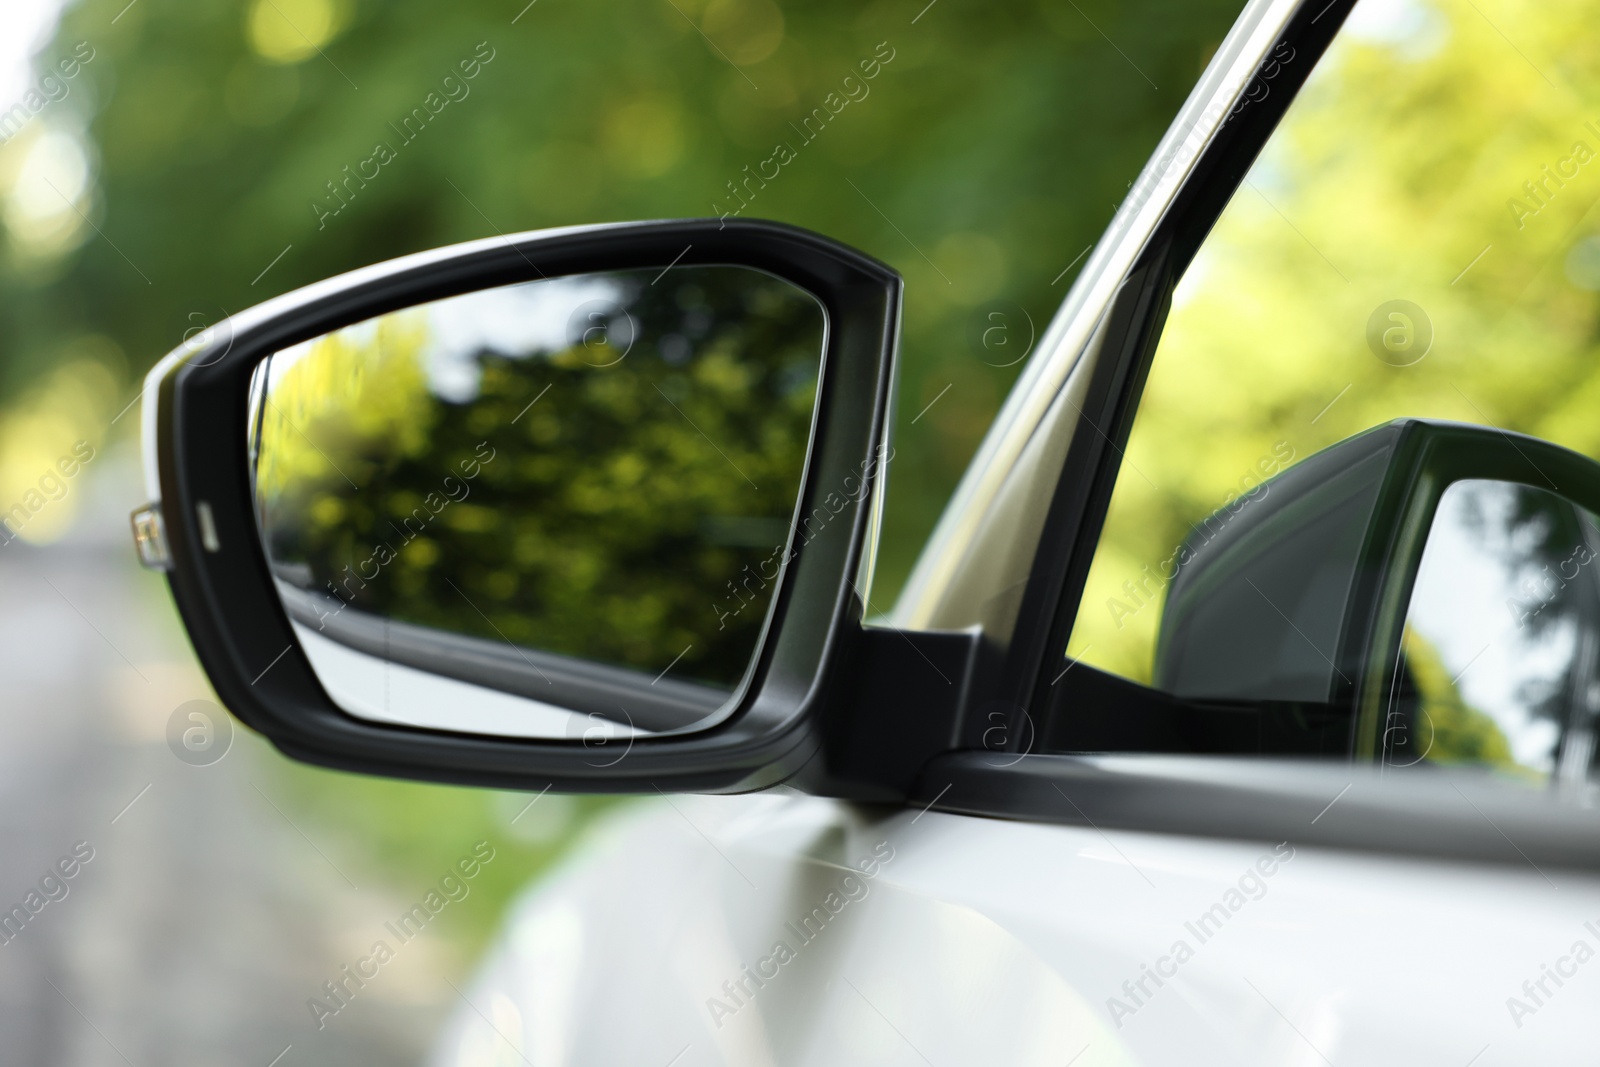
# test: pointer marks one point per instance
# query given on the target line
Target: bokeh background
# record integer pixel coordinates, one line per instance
(182, 171)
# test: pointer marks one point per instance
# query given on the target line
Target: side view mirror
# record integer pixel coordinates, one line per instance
(1424, 590)
(508, 512)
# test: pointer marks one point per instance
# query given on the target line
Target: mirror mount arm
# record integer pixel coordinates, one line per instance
(898, 702)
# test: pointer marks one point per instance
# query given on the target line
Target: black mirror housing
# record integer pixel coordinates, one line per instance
(202, 530)
(1298, 596)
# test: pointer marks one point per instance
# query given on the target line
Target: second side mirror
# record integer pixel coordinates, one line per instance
(1431, 585)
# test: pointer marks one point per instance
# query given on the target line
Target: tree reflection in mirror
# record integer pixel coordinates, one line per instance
(473, 505)
(1500, 658)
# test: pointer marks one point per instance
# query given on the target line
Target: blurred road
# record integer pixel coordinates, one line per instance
(205, 919)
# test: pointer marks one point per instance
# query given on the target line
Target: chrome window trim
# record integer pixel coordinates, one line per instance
(975, 529)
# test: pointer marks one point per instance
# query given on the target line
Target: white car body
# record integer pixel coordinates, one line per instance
(985, 941)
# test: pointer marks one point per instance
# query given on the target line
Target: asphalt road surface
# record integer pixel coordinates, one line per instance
(205, 918)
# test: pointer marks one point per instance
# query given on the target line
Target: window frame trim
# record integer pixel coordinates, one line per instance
(1042, 476)
(1094, 459)
(1316, 803)
(1328, 804)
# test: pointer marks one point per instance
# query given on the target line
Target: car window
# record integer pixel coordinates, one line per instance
(1415, 240)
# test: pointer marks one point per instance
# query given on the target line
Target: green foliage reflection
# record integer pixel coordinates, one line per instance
(582, 466)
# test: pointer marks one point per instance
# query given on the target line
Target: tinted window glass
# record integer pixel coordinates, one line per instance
(1414, 241)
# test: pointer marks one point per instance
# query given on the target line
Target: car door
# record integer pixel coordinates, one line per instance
(748, 930)
(1077, 885)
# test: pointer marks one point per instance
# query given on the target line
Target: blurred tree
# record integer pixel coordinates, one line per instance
(984, 153)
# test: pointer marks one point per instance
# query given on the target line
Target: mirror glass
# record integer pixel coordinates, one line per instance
(482, 511)
(1500, 659)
